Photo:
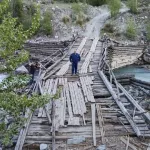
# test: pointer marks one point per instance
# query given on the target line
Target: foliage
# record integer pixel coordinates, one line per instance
(65, 19)
(17, 8)
(108, 28)
(79, 8)
(81, 19)
(114, 6)
(148, 31)
(79, 11)
(46, 23)
(4, 5)
(76, 7)
(97, 2)
(131, 30)
(91, 2)
(132, 5)
(27, 16)
(12, 103)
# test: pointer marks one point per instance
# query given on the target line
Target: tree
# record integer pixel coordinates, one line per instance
(12, 103)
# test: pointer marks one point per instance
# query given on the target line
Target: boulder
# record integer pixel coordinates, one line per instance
(76, 140)
(102, 147)
(22, 70)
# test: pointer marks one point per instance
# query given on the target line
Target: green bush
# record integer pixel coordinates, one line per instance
(96, 2)
(131, 30)
(148, 31)
(114, 6)
(46, 23)
(109, 28)
(66, 19)
(132, 4)
(81, 19)
(76, 7)
(16, 7)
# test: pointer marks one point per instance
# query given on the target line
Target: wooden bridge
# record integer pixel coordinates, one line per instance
(90, 105)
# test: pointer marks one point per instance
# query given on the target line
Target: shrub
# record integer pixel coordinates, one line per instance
(65, 19)
(131, 30)
(132, 4)
(46, 24)
(114, 6)
(148, 31)
(81, 19)
(16, 7)
(76, 7)
(96, 2)
(26, 21)
(109, 28)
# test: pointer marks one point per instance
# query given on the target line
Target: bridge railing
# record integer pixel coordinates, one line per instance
(103, 65)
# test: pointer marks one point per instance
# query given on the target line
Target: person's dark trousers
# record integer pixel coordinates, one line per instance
(32, 79)
(74, 68)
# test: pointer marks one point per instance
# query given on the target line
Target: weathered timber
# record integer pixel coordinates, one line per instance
(119, 103)
(130, 98)
(93, 123)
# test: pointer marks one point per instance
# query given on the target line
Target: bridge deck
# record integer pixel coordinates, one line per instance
(85, 106)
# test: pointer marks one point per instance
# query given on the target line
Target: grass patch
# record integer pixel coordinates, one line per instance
(114, 6)
(108, 28)
(46, 23)
(132, 4)
(66, 19)
(131, 30)
(148, 31)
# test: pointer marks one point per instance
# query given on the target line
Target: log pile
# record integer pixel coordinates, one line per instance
(121, 56)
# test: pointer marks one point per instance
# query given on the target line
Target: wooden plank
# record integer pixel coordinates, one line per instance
(93, 123)
(101, 121)
(65, 67)
(119, 103)
(131, 99)
(130, 145)
(23, 132)
(68, 100)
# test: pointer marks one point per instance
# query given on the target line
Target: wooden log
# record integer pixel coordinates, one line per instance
(119, 103)
(23, 132)
(130, 145)
(131, 99)
(101, 121)
(45, 109)
(93, 123)
(68, 100)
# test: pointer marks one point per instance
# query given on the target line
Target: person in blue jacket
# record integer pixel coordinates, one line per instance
(74, 59)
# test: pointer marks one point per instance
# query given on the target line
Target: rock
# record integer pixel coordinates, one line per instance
(43, 147)
(102, 147)
(76, 140)
(22, 70)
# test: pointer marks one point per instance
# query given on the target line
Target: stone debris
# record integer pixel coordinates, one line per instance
(102, 147)
(76, 140)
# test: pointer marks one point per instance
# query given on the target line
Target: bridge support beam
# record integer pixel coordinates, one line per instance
(119, 103)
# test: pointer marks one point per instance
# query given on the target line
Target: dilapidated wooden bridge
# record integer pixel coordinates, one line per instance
(91, 106)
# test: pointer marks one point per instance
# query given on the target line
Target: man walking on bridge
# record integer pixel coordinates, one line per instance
(74, 59)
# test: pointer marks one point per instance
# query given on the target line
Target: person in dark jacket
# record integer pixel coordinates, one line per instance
(33, 68)
(74, 59)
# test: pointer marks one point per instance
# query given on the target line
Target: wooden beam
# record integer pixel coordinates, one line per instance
(93, 123)
(119, 103)
(131, 99)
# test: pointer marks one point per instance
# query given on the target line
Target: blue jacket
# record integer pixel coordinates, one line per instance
(75, 58)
